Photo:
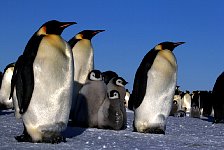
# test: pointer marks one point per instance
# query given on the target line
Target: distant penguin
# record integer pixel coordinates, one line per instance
(174, 108)
(111, 113)
(153, 89)
(5, 102)
(186, 102)
(108, 75)
(42, 84)
(127, 97)
(218, 99)
(195, 112)
(90, 98)
(83, 54)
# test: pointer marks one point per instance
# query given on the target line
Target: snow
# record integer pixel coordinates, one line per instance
(181, 133)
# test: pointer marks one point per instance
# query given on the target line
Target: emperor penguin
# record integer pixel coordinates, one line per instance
(83, 54)
(5, 87)
(90, 98)
(153, 89)
(42, 84)
(111, 113)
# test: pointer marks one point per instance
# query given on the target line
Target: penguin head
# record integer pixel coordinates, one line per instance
(108, 75)
(11, 65)
(113, 94)
(95, 75)
(168, 45)
(87, 34)
(53, 27)
(119, 81)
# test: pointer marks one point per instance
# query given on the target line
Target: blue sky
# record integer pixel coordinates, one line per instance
(132, 29)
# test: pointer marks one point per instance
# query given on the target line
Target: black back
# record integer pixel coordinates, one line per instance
(1, 76)
(218, 99)
(140, 81)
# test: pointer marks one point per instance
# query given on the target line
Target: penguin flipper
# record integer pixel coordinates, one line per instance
(27, 83)
(140, 82)
(23, 80)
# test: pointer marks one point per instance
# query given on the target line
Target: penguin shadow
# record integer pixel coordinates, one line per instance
(6, 111)
(71, 132)
(208, 119)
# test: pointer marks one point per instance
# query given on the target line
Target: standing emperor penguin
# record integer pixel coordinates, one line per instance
(42, 84)
(89, 100)
(5, 87)
(153, 89)
(82, 50)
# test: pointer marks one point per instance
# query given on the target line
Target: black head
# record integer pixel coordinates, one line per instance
(113, 94)
(119, 81)
(95, 75)
(108, 75)
(9, 66)
(54, 27)
(168, 45)
(88, 34)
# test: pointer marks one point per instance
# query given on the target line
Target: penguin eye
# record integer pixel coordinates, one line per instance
(119, 82)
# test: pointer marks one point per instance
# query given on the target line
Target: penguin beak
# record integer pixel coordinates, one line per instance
(66, 24)
(98, 31)
(178, 43)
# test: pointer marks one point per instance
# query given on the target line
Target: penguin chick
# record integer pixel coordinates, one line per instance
(90, 98)
(118, 84)
(111, 113)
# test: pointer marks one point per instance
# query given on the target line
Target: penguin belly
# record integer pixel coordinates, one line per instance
(111, 115)
(83, 60)
(49, 107)
(152, 113)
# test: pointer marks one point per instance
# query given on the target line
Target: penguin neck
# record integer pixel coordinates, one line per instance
(83, 60)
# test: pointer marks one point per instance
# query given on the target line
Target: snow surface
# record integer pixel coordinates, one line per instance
(181, 133)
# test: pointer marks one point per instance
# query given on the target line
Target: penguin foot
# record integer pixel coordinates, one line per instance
(154, 131)
(23, 138)
(54, 139)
